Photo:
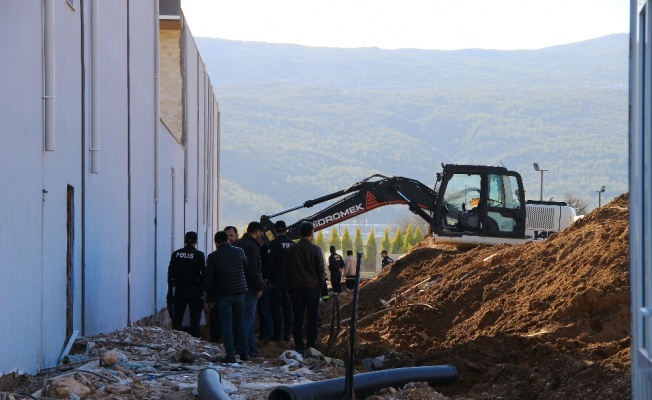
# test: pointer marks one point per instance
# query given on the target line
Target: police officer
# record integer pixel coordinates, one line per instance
(274, 271)
(335, 266)
(186, 283)
(386, 259)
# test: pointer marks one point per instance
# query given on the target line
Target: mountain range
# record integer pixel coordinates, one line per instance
(301, 122)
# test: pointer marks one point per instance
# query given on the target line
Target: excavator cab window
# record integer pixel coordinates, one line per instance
(480, 201)
(503, 204)
(460, 200)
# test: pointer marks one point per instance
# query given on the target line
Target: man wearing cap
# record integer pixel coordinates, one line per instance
(249, 243)
(274, 270)
(386, 260)
(335, 266)
(304, 277)
(186, 283)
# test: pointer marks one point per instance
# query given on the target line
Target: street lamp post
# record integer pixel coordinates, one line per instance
(536, 168)
(599, 192)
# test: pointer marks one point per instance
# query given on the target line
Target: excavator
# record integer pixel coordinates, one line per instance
(469, 205)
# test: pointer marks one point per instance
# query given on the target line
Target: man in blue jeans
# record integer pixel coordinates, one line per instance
(249, 243)
(304, 278)
(225, 288)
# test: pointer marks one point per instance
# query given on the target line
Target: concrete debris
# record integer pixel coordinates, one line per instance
(112, 357)
(63, 388)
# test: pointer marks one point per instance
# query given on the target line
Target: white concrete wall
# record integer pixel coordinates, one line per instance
(144, 31)
(170, 229)
(107, 223)
(122, 237)
(196, 140)
(21, 177)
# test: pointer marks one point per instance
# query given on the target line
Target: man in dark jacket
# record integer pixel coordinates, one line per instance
(335, 266)
(249, 243)
(386, 259)
(274, 270)
(304, 277)
(226, 288)
(264, 308)
(186, 283)
(214, 323)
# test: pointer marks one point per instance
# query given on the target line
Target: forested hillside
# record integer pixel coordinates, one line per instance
(300, 122)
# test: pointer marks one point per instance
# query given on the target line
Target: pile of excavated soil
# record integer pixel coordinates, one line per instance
(546, 320)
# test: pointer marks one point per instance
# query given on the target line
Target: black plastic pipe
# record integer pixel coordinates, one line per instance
(368, 383)
(209, 386)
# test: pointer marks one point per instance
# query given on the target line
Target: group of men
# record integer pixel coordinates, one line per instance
(234, 277)
(339, 267)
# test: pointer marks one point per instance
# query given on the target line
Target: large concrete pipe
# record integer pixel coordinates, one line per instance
(368, 383)
(209, 386)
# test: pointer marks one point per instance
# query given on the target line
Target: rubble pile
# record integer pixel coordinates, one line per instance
(157, 363)
(535, 321)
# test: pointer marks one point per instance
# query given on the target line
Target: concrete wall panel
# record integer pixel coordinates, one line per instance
(170, 209)
(21, 144)
(191, 140)
(61, 168)
(107, 197)
(143, 32)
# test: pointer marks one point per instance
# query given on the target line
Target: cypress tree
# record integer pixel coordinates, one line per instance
(409, 237)
(385, 243)
(358, 245)
(372, 247)
(398, 242)
(334, 240)
(347, 243)
(321, 242)
(418, 235)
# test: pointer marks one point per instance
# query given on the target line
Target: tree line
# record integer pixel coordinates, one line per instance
(400, 243)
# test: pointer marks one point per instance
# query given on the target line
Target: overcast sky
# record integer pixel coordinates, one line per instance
(424, 24)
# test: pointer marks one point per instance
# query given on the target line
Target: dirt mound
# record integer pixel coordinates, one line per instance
(547, 320)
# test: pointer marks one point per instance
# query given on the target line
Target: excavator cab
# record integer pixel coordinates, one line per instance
(476, 200)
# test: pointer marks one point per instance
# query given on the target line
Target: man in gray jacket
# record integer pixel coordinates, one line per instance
(304, 277)
(226, 287)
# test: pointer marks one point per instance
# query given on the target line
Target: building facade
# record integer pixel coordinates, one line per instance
(109, 136)
(640, 197)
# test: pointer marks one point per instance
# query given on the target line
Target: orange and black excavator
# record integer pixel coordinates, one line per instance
(469, 205)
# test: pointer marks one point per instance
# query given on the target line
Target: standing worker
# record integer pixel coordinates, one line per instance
(249, 243)
(274, 270)
(304, 277)
(335, 266)
(265, 323)
(186, 283)
(350, 268)
(386, 259)
(226, 288)
(214, 324)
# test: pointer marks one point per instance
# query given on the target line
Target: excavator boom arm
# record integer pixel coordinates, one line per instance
(362, 197)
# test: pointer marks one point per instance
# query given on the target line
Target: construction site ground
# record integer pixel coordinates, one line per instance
(546, 320)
